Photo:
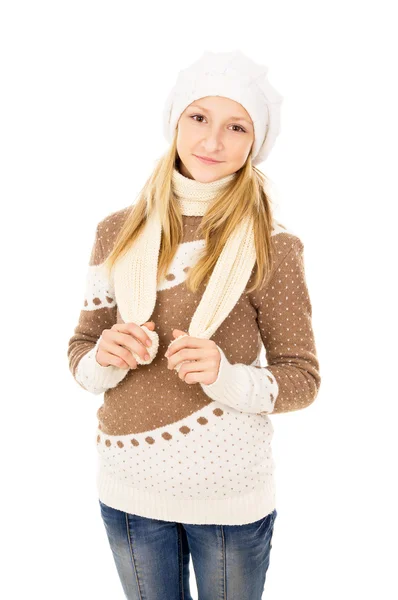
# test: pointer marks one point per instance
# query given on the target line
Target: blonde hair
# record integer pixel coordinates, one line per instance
(245, 195)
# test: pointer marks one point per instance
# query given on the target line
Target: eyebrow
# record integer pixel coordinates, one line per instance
(234, 118)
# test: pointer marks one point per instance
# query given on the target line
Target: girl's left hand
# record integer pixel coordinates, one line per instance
(204, 353)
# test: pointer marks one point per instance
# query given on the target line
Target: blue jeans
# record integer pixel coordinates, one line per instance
(152, 557)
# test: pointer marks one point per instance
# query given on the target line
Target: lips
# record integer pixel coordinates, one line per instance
(207, 161)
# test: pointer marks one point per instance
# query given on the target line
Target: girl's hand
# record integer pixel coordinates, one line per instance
(119, 341)
(204, 355)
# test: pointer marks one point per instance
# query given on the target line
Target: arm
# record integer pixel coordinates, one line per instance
(99, 313)
(244, 387)
(291, 379)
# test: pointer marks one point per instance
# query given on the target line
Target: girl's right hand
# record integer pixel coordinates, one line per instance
(118, 343)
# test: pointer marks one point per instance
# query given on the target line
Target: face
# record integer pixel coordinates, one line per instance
(214, 127)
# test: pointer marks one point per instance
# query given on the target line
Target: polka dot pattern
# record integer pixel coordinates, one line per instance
(204, 451)
(284, 315)
(219, 453)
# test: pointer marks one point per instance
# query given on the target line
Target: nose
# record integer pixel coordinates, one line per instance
(213, 141)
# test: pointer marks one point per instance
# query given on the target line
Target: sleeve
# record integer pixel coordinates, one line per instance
(99, 312)
(291, 379)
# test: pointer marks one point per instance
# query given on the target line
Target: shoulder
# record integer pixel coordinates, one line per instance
(109, 227)
(113, 220)
(287, 253)
(284, 240)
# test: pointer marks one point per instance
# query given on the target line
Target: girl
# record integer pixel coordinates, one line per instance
(183, 289)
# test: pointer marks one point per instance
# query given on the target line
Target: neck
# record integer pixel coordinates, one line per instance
(194, 196)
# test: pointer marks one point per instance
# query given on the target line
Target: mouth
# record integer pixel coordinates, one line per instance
(207, 161)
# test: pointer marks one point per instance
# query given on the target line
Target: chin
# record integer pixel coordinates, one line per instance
(205, 173)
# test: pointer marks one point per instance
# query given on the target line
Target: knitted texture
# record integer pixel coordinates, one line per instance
(135, 275)
(197, 453)
(232, 75)
(194, 196)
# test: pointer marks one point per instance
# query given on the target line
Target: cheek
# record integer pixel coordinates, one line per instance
(187, 139)
(240, 150)
(187, 130)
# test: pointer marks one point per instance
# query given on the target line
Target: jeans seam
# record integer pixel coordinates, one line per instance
(181, 561)
(224, 561)
(132, 554)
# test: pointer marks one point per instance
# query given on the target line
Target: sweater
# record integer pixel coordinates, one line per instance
(197, 453)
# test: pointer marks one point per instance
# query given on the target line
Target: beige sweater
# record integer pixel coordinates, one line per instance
(198, 453)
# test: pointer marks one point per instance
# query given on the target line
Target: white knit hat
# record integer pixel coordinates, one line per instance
(232, 75)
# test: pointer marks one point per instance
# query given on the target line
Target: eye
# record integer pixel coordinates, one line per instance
(201, 117)
(241, 128)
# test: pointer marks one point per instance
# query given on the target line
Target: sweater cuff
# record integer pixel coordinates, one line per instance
(244, 387)
(94, 377)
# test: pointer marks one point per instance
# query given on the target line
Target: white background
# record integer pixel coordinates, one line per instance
(83, 86)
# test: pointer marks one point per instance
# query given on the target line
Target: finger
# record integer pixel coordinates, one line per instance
(195, 377)
(134, 345)
(186, 354)
(135, 330)
(113, 359)
(177, 332)
(127, 339)
(186, 342)
(119, 351)
(201, 372)
(197, 366)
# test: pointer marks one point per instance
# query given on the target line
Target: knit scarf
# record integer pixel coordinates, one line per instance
(135, 273)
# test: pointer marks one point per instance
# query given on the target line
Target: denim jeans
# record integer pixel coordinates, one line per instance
(152, 557)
